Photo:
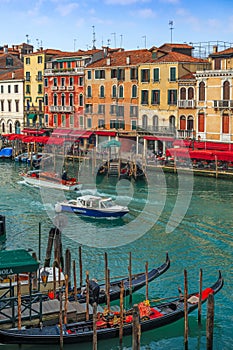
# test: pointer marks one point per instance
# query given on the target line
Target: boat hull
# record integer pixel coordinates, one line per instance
(93, 212)
(50, 184)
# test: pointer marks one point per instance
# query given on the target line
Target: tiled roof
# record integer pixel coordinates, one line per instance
(119, 58)
(78, 53)
(12, 75)
(188, 76)
(179, 57)
(16, 61)
(175, 46)
(228, 51)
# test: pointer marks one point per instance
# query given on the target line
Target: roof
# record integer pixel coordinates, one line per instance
(228, 51)
(16, 261)
(13, 74)
(179, 57)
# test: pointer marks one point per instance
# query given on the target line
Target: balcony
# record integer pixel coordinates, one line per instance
(70, 88)
(62, 88)
(61, 109)
(222, 104)
(158, 130)
(64, 71)
(54, 88)
(186, 104)
(183, 134)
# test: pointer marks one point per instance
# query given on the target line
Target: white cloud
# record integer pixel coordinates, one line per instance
(66, 9)
(124, 2)
(145, 13)
(170, 1)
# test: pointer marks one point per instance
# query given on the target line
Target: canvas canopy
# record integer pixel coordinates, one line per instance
(16, 261)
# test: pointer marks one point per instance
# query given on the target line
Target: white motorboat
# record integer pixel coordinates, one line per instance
(39, 178)
(92, 206)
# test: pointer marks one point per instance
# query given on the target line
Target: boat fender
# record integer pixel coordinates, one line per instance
(58, 208)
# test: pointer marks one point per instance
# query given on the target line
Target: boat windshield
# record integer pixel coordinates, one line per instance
(107, 203)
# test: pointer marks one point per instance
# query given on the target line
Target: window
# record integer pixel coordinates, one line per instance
(133, 124)
(89, 123)
(100, 74)
(172, 97)
(39, 76)
(71, 120)
(46, 119)
(63, 81)
(61, 65)
(9, 105)
(89, 74)
(71, 99)
(101, 109)
(172, 122)
(55, 120)
(155, 75)
(9, 61)
(114, 91)
(27, 60)
(145, 75)
(101, 91)
(144, 97)
(46, 82)
(2, 89)
(39, 59)
(190, 123)
(201, 122)
(134, 111)
(183, 93)
(172, 73)
(63, 120)
(68, 64)
(80, 81)
(2, 105)
(46, 100)
(88, 108)
(81, 100)
(113, 109)
(40, 105)
(55, 99)
(133, 73)
(121, 91)
(190, 93)
(16, 89)
(144, 121)
(9, 89)
(225, 124)
(217, 63)
(226, 90)
(202, 91)
(89, 92)
(134, 91)
(182, 122)
(155, 122)
(113, 73)
(17, 105)
(101, 123)
(155, 97)
(117, 124)
(120, 111)
(28, 78)
(81, 121)
(40, 89)
(54, 81)
(63, 100)
(71, 81)
(120, 74)
(28, 89)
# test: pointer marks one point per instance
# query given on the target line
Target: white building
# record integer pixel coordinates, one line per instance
(12, 101)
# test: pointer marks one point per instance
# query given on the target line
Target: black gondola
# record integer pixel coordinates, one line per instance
(157, 316)
(138, 281)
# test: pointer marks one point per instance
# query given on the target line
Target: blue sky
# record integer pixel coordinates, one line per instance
(69, 24)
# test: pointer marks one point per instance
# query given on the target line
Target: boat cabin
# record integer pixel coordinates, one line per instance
(95, 202)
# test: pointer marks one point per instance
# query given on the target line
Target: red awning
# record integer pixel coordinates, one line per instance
(192, 154)
(159, 138)
(182, 143)
(105, 133)
(81, 133)
(61, 132)
(33, 131)
(55, 141)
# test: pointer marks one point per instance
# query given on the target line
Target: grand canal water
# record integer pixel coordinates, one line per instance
(190, 218)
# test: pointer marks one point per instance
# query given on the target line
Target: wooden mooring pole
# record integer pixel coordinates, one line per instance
(19, 304)
(185, 310)
(130, 278)
(94, 326)
(121, 313)
(147, 288)
(200, 297)
(60, 320)
(108, 289)
(210, 322)
(75, 280)
(66, 298)
(80, 266)
(136, 331)
(87, 296)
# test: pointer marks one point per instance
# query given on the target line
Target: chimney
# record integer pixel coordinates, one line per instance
(128, 60)
(13, 75)
(105, 48)
(108, 61)
(215, 48)
(5, 49)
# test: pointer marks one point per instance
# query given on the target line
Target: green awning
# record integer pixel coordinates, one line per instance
(17, 261)
(32, 116)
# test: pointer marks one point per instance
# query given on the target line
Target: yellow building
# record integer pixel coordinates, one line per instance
(34, 65)
(215, 98)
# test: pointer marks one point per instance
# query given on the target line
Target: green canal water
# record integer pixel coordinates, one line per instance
(190, 218)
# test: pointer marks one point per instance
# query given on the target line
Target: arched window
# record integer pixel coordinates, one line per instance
(55, 99)
(81, 100)
(3, 127)
(134, 91)
(71, 99)
(201, 122)
(63, 100)
(225, 124)
(144, 121)
(172, 122)
(10, 128)
(121, 91)
(190, 123)
(46, 100)
(190, 93)
(114, 91)
(226, 90)
(202, 91)
(155, 121)
(102, 91)
(183, 93)
(17, 127)
(182, 122)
